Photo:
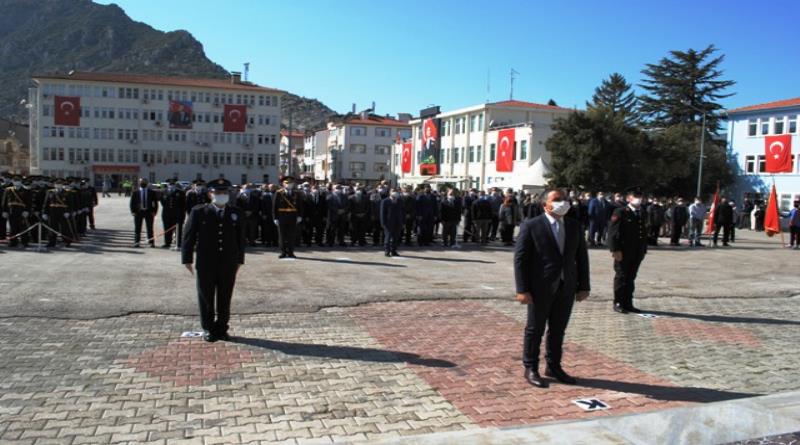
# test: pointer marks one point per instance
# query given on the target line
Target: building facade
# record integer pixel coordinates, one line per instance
(357, 148)
(14, 147)
(748, 130)
(154, 127)
(469, 146)
(291, 152)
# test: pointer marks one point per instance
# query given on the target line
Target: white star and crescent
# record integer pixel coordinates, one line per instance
(780, 149)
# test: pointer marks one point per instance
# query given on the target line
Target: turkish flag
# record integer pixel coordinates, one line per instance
(68, 111)
(505, 150)
(406, 161)
(778, 153)
(772, 219)
(712, 213)
(235, 118)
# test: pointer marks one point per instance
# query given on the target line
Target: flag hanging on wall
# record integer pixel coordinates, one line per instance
(778, 153)
(235, 118)
(406, 158)
(505, 150)
(68, 111)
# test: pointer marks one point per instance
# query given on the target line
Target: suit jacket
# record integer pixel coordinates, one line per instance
(392, 214)
(538, 264)
(151, 201)
(219, 242)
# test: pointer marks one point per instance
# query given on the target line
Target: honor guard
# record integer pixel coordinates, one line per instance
(287, 208)
(627, 239)
(16, 208)
(55, 213)
(214, 231)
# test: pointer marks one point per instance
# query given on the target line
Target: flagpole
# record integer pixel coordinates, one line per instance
(780, 229)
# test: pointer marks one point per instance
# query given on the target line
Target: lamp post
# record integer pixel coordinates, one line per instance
(702, 147)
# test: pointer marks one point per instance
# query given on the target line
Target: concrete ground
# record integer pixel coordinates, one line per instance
(349, 346)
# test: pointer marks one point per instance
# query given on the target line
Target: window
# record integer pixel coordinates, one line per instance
(792, 124)
(358, 131)
(383, 132)
(764, 126)
(786, 202)
(357, 166)
(750, 164)
(778, 125)
(514, 151)
(480, 122)
(762, 164)
(380, 167)
(523, 149)
(358, 148)
(479, 154)
(473, 124)
(492, 152)
(381, 149)
(471, 152)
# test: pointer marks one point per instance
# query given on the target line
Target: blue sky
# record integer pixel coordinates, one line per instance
(411, 54)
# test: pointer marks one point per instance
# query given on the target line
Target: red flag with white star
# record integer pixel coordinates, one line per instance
(778, 153)
(68, 111)
(235, 118)
(772, 219)
(406, 160)
(505, 150)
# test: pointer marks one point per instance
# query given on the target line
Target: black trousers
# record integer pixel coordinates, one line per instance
(147, 217)
(449, 230)
(425, 229)
(677, 231)
(794, 236)
(507, 233)
(17, 224)
(624, 278)
(169, 221)
(359, 228)
(287, 235)
(250, 227)
(214, 292)
(553, 314)
(2, 228)
(409, 230)
(90, 215)
(57, 221)
(377, 231)
(391, 238)
(469, 230)
(726, 233)
(269, 232)
(493, 227)
(335, 231)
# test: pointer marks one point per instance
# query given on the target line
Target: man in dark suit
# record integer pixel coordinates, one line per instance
(392, 220)
(316, 212)
(144, 206)
(551, 269)
(216, 233)
(173, 212)
(337, 217)
(249, 201)
(598, 218)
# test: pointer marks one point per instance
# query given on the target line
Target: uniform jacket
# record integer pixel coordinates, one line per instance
(627, 232)
(173, 203)
(219, 242)
(287, 207)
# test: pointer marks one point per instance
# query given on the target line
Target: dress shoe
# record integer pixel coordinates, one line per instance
(136, 245)
(387, 254)
(223, 336)
(165, 246)
(209, 337)
(394, 253)
(560, 375)
(282, 256)
(618, 308)
(535, 379)
(633, 309)
(291, 255)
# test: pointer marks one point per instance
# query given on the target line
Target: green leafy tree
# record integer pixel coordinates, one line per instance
(615, 95)
(683, 86)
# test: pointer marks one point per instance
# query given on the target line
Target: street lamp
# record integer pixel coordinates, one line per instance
(702, 146)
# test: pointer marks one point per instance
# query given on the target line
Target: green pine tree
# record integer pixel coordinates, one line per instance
(615, 95)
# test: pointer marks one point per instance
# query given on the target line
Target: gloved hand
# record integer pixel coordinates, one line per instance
(25, 214)
(299, 219)
(275, 221)
(45, 217)
(5, 215)
(66, 214)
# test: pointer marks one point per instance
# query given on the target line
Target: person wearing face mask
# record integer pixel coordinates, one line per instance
(551, 272)
(425, 211)
(16, 207)
(392, 220)
(249, 201)
(316, 210)
(143, 206)
(196, 195)
(337, 217)
(55, 212)
(409, 207)
(598, 218)
(214, 242)
(173, 201)
(287, 209)
(269, 231)
(4, 183)
(495, 200)
(359, 207)
(627, 240)
(697, 214)
(482, 212)
(451, 217)
(375, 228)
(679, 216)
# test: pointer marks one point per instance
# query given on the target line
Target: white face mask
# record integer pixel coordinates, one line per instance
(221, 200)
(636, 202)
(560, 208)
(290, 186)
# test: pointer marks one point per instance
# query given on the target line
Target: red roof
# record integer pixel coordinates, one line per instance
(523, 104)
(294, 134)
(769, 105)
(376, 120)
(151, 79)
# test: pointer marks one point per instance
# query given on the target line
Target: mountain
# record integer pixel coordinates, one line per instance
(44, 36)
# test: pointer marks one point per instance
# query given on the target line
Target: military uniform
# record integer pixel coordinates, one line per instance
(627, 233)
(173, 201)
(55, 211)
(16, 208)
(217, 235)
(287, 206)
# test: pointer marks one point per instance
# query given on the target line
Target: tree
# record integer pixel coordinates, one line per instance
(682, 87)
(616, 96)
(552, 103)
(596, 150)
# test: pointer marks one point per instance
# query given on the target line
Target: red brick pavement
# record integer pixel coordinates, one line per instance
(488, 385)
(190, 361)
(705, 331)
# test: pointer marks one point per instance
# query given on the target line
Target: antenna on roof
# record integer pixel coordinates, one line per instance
(488, 84)
(246, 71)
(511, 75)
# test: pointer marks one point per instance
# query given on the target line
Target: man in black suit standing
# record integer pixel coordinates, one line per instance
(551, 270)
(173, 201)
(144, 206)
(216, 232)
(392, 220)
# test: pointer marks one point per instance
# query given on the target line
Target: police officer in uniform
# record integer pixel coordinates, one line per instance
(627, 239)
(215, 231)
(287, 207)
(173, 201)
(196, 195)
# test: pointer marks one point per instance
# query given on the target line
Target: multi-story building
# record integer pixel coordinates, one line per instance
(358, 148)
(291, 152)
(125, 126)
(469, 146)
(14, 147)
(758, 131)
(314, 142)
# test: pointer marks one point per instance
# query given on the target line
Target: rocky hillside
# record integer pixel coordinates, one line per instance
(60, 35)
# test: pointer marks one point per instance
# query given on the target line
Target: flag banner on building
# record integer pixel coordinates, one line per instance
(778, 153)
(429, 159)
(180, 114)
(235, 118)
(772, 219)
(714, 205)
(68, 111)
(505, 150)
(405, 163)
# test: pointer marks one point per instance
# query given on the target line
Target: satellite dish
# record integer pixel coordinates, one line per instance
(71, 72)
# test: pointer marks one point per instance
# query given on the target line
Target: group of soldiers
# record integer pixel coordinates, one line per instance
(38, 206)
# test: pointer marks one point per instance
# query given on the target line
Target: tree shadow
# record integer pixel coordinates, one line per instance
(726, 318)
(666, 393)
(344, 352)
(450, 260)
(357, 263)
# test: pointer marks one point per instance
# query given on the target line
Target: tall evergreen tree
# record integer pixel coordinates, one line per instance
(615, 95)
(683, 86)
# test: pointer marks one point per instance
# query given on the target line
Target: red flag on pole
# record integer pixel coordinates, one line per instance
(505, 150)
(235, 118)
(772, 219)
(711, 214)
(68, 111)
(406, 161)
(778, 153)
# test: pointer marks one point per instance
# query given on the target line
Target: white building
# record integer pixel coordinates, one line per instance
(469, 145)
(125, 129)
(748, 130)
(316, 142)
(357, 148)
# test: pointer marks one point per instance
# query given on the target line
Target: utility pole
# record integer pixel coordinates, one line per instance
(289, 144)
(511, 76)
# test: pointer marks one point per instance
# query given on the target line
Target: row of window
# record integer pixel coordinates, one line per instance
(131, 156)
(458, 155)
(772, 125)
(379, 167)
(362, 149)
(148, 94)
(383, 132)
(458, 125)
(752, 162)
(128, 134)
(158, 115)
